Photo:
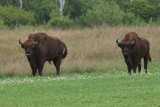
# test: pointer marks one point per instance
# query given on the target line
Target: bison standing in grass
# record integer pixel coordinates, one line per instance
(133, 49)
(40, 48)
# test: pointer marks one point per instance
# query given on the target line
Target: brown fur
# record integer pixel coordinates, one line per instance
(133, 49)
(40, 48)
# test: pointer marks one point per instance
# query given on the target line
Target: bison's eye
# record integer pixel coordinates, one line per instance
(29, 47)
(23, 46)
(33, 46)
(132, 46)
(122, 46)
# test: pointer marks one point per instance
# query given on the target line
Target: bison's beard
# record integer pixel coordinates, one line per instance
(126, 56)
(128, 60)
(29, 57)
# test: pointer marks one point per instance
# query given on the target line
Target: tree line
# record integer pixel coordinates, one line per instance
(81, 13)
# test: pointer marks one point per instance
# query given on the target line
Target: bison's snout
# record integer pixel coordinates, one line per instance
(125, 53)
(28, 54)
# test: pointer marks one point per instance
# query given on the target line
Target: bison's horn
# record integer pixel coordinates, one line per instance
(117, 41)
(35, 43)
(133, 42)
(20, 42)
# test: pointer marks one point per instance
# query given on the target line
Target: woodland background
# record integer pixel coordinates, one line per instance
(79, 13)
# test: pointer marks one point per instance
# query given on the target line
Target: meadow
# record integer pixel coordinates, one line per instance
(93, 74)
(97, 89)
(89, 50)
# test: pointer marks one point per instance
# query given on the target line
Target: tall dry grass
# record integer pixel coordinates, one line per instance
(88, 49)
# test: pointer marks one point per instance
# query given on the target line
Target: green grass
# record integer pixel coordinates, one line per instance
(98, 89)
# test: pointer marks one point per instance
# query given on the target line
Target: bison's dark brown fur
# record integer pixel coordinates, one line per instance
(40, 48)
(133, 49)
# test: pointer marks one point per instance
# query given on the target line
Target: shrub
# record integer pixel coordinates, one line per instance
(57, 22)
(142, 9)
(158, 21)
(1, 23)
(13, 16)
(103, 13)
(131, 19)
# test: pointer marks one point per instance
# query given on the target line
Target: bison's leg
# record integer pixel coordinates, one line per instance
(139, 68)
(145, 64)
(40, 68)
(134, 68)
(129, 64)
(34, 68)
(34, 72)
(129, 68)
(57, 63)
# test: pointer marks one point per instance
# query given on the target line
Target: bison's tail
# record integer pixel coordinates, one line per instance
(65, 51)
(149, 58)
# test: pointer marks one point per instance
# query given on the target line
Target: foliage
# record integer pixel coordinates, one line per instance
(13, 16)
(41, 9)
(145, 10)
(58, 22)
(103, 13)
(142, 9)
(1, 23)
(131, 19)
(88, 12)
(158, 21)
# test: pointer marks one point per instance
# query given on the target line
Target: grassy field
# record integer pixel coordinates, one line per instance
(93, 74)
(89, 50)
(97, 89)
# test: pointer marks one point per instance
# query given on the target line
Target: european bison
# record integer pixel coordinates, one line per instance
(133, 49)
(40, 48)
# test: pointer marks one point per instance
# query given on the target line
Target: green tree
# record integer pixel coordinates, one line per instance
(156, 9)
(83, 12)
(13, 16)
(141, 8)
(1, 23)
(104, 13)
(41, 9)
(76, 8)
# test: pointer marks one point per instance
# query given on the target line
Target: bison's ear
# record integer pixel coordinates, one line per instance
(119, 44)
(23, 46)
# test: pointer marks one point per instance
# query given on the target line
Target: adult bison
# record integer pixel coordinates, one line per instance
(133, 49)
(40, 48)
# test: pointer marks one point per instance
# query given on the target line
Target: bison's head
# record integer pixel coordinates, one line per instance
(126, 46)
(29, 46)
